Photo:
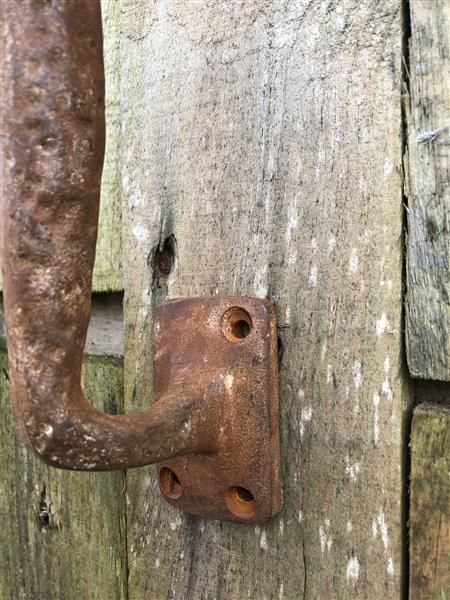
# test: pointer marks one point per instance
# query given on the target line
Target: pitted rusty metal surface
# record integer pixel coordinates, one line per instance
(226, 348)
(215, 373)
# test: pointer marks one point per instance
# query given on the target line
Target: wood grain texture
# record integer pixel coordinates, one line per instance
(63, 532)
(105, 332)
(266, 137)
(108, 259)
(427, 188)
(429, 518)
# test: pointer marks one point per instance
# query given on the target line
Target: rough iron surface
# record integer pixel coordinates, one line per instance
(226, 348)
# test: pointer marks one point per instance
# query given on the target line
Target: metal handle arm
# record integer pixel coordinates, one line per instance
(54, 144)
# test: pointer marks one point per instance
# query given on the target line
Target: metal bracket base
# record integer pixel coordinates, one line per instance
(225, 349)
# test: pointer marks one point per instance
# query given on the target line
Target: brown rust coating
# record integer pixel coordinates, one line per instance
(215, 370)
(228, 348)
(54, 129)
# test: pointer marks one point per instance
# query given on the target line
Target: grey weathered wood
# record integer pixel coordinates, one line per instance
(63, 533)
(266, 137)
(108, 260)
(427, 188)
(105, 333)
(429, 518)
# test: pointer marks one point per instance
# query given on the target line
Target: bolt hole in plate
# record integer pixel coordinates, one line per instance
(236, 324)
(240, 502)
(170, 484)
(226, 350)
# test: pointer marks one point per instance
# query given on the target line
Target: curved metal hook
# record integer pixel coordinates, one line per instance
(55, 133)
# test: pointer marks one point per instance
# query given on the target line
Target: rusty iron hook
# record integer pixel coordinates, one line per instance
(55, 134)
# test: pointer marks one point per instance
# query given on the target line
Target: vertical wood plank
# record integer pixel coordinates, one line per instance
(265, 136)
(429, 519)
(108, 258)
(63, 532)
(428, 191)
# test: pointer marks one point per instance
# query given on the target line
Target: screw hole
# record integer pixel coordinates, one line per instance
(280, 350)
(240, 501)
(170, 484)
(164, 260)
(236, 324)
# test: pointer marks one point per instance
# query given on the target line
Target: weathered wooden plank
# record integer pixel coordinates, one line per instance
(266, 137)
(105, 332)
(108, 260)
(428, 190)
(429, 519)
(63, 532)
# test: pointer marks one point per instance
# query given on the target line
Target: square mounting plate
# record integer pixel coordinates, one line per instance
(226, 347)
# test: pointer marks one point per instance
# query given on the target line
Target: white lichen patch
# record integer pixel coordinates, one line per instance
(383, 529)
(134, 193)
(390, 567)
(374, 529)
(291, 226)
(387, 390)
(351, 469)
(353, 261)
(263, 541)
(382, 325)
(322, 539)
(260, 283)
(330, 374)
(288, 314)
(306, 416)
(352, 570)
(387, 166)
(312, 280)
(140, 233)
(325, 539)
(357, 377)
(177, 523)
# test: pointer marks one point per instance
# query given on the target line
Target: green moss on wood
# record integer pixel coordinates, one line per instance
(430, 504)
(63, 533)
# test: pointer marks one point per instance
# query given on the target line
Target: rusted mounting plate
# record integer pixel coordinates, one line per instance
(226, 350)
